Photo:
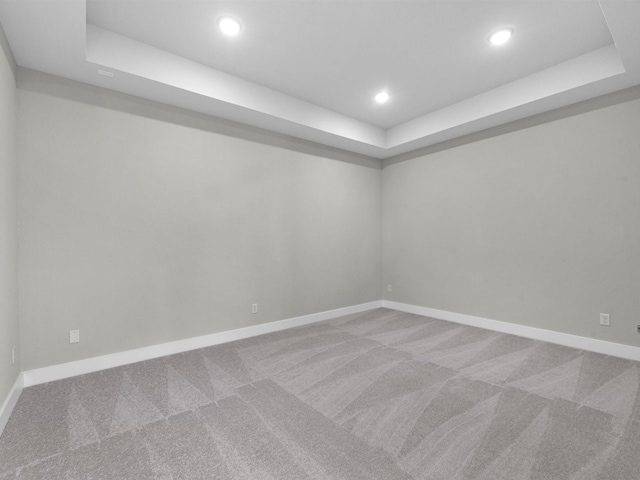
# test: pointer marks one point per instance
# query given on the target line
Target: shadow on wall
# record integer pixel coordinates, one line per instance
(102, 97)
(615, 98)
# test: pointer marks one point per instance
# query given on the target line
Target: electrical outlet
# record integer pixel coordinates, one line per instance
(605, 319)
(13, 356)
(254, 308)
(74, 336)
(389, 288)
(638, 327)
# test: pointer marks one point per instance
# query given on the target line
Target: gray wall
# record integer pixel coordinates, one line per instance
(9, 327)
(539, 227)
(143, 224)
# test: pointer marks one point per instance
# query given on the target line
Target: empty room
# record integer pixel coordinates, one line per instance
(320, 239)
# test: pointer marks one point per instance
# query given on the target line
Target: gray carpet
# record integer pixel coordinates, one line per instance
(377, 395)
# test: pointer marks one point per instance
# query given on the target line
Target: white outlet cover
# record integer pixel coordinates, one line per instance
(74, 336)
(605, 319)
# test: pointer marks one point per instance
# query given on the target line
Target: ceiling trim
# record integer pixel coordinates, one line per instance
(216, 91)
(604, 101)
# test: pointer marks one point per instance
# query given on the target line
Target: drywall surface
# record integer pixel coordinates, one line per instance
(9, 327)
(142, 224)
(539, 227)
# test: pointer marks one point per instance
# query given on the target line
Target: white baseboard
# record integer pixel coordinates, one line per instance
(10, 402)
(568, 340)
(80, 367)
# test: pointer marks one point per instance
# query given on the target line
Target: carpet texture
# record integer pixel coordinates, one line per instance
(376, 395)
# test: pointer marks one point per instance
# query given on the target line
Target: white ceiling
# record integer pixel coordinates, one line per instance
(310, 68)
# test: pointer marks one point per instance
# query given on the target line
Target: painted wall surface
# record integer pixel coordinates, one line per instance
(9, 328)
(142, 224)
(539, 227)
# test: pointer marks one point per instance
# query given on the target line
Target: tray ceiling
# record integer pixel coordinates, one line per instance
(311, 68)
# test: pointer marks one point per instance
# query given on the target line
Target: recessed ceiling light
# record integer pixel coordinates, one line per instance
(229, 25)
(501, 36)
(382, 97)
